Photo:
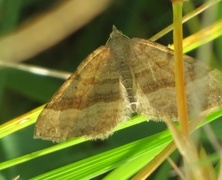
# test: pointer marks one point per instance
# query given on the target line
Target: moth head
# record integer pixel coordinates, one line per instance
(115, 34)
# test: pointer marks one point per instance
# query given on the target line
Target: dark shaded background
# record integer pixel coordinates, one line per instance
(22, 91)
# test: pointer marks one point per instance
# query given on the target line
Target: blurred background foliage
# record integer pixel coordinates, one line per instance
(21, 91)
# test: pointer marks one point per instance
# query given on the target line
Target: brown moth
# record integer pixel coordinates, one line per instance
(123, 77)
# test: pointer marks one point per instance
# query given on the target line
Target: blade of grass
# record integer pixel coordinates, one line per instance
(135, 152)
(140, 153)
(179, 67)
(185, 18)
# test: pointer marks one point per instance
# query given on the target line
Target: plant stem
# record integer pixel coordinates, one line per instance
(179, 67)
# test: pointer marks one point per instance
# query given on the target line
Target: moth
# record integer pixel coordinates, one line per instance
(124, 76)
